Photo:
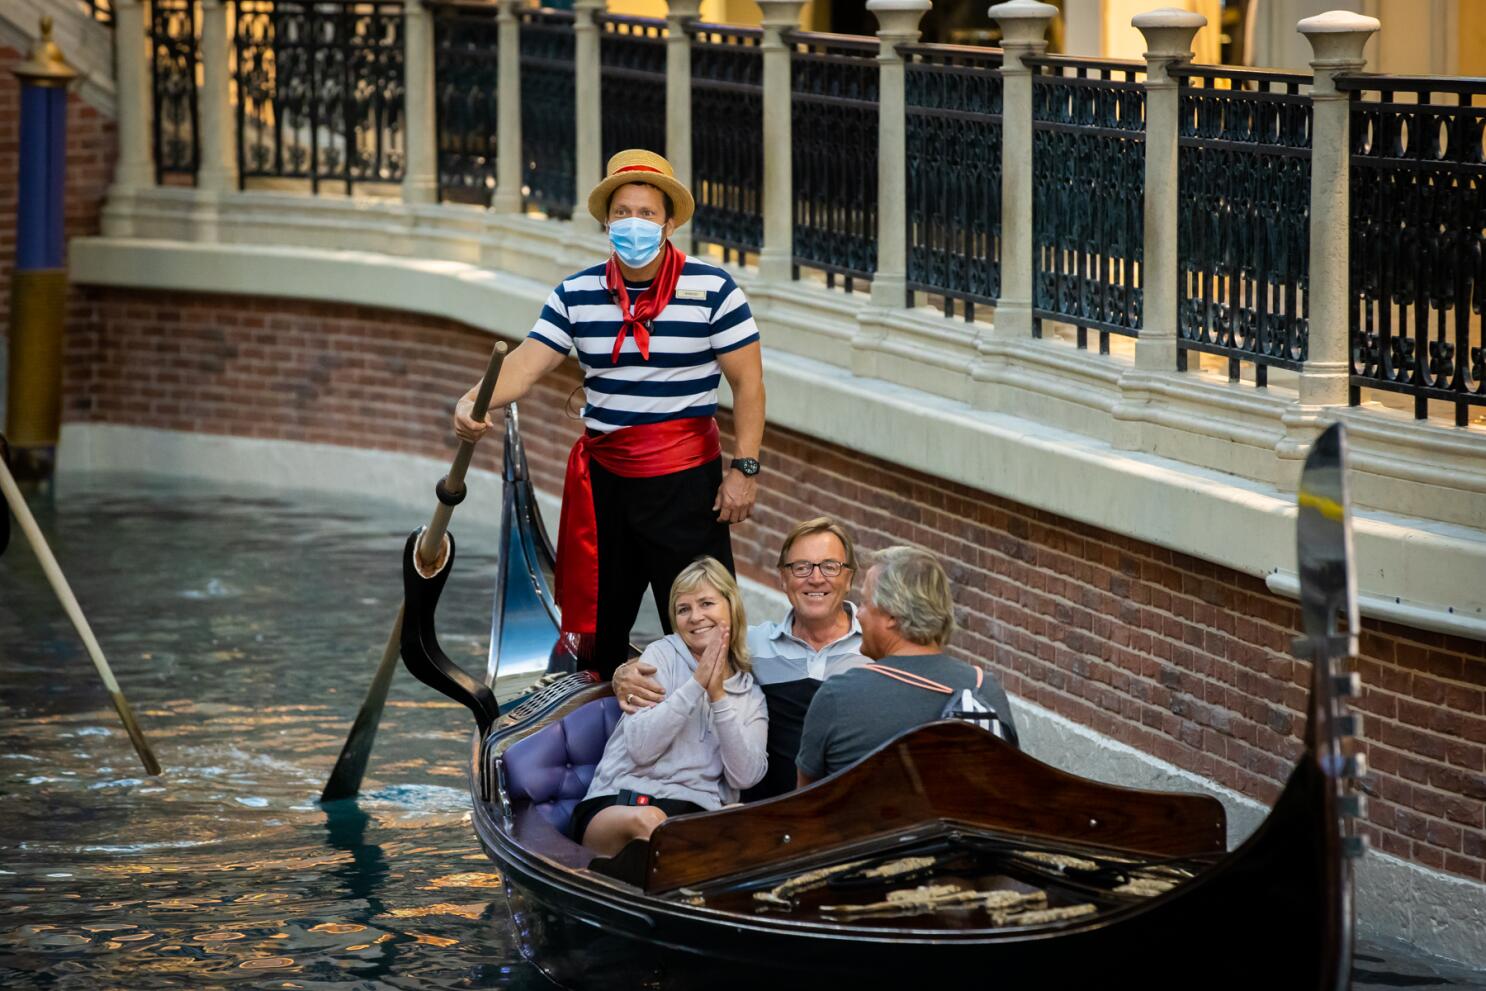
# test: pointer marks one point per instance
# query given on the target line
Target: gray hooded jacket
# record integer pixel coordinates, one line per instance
(687, 746)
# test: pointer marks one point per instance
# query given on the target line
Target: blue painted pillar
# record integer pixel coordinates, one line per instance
(33, 409)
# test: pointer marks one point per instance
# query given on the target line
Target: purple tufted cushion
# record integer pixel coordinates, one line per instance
(552, 768)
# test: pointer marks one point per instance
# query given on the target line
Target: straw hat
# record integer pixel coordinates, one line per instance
(639, 165)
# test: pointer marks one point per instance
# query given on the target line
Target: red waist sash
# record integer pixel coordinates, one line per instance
(630, 452)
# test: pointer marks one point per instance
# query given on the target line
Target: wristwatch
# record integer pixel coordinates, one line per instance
(748, 466)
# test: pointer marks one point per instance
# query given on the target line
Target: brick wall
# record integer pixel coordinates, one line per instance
(92, 148)
(1175, 656)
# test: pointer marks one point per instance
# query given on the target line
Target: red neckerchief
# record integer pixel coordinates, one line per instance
(650, 303)
(631, 452)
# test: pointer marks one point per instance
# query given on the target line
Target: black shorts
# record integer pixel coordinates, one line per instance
(588, 808)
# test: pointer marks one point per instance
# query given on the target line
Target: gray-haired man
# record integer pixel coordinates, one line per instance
(906, 615)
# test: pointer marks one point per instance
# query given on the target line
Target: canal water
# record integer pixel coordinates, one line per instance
(243, 625)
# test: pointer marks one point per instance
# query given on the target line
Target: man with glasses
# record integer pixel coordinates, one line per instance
(906, 617)
(818, 638)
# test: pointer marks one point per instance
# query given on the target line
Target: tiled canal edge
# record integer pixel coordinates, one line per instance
(1428, 909)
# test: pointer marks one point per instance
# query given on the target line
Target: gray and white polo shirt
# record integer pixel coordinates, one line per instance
(790, 672)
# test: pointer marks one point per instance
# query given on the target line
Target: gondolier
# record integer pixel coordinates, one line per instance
(646, 490)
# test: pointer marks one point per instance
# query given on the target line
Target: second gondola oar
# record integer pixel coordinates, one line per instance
(4, 515)
(350, 767)
(53, 572)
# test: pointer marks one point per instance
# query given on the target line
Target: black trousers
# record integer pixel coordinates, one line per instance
(648, 530)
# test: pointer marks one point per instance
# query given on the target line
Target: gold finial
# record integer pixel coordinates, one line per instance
(45, 66)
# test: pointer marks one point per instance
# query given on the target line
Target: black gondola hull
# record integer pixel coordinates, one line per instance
(1274, 914)
(1229, 928)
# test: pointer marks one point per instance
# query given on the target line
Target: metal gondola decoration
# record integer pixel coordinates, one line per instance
(947, 854)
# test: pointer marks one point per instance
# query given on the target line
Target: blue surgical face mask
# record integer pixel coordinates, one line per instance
(636, 241)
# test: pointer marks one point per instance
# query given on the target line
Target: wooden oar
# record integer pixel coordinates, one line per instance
(74, 612)
(350, 767)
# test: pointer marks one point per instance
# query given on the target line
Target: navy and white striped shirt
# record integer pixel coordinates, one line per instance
(708, 316)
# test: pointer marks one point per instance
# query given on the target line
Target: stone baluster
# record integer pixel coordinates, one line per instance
(1168, 41)
(136, 164)
(678, 86)
(897, 24)
(1023, 34)
(508, 157)
(588, 164)
(776, 260)
(217, 170)
(420, 180)
(1337, 37)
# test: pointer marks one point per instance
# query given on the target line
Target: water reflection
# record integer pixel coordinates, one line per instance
(243, 626)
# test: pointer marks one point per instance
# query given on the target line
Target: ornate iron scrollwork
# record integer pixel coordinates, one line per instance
(632, 74)
(727, 136)
(174, 34)
(1243, 232)
(101, 11)
(1418, 258)
(466, 75)
(320, 90)
(834, 82)
(548, 95)
(1088, 195)
(953, 97)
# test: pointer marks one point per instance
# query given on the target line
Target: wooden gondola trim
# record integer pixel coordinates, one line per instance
(944, 772)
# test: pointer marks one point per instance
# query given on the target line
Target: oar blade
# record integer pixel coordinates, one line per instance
(350, 766)
(136, 735)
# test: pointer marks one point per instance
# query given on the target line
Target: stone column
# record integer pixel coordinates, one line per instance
(678, 86)
(136, 165)
(776, 260)
(420, 180)
(1168, 41)
(217, 170)
(588, 165)
(1023, 33)
(897, 24)
(1337, 38)
(508, 161)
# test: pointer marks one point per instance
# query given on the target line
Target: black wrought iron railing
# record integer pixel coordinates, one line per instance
(1418, 252)
(320, 90)
(466, 41)
(548, 97)
(953, 110)
(175, 30)
(1243, 230)
(834, 82)
(727, 136)
(101, 11)
(1088, 195)
(632, 80)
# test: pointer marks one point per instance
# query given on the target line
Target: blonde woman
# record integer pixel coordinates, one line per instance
(701, 746)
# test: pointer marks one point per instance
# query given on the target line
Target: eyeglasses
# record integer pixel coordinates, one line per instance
(803, 569)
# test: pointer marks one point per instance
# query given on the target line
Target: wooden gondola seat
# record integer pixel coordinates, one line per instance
(552, 768)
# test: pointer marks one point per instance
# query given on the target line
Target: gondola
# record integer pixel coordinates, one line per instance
(946, 855)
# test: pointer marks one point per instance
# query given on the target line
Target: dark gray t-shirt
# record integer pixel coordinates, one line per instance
(858, 711)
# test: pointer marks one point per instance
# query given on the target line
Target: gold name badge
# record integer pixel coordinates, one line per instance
(691, 294)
